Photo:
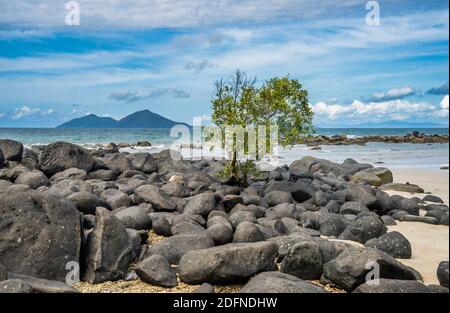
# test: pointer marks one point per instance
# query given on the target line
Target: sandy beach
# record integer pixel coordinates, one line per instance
(430, 243)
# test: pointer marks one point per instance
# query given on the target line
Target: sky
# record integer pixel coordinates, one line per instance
(164, 55)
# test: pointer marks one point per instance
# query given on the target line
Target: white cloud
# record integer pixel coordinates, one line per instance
(2, 114)
(24, 112)
(387, 110)
(444, 103)
(393, 94)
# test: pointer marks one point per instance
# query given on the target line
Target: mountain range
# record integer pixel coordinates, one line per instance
(140, 119)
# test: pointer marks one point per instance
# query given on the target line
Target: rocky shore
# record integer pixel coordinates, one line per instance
(414, 137)
(312, 226)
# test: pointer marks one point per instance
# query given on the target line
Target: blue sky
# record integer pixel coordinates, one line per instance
(165, 55)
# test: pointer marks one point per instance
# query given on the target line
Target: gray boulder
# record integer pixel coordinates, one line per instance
(201, 204)
(34, 179)
(221, 233)
(143, 162)
(135, 217)
(15, 286)
(173, 248)
(277, 197)
(40, 238)
(11, 150)
(304, 260)
(60, 156)
(40, 285)
(156, 197)
(393, 243)
(157, 271)
(332, 224)
(353, 207)
(442, 273)
(276, 282)
(224, 264)
(364, 229)
(109, 249)
(350, 268)
(393, 286)
(247, 232)
(87, 202)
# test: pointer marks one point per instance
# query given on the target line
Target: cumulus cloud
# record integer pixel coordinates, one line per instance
(443, 112)
(134, 96)
(24, 112)
(198, 67)
(368, 111)
(393, 94)
(442, 90)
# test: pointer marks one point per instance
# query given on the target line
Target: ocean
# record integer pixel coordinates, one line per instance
(432, 156)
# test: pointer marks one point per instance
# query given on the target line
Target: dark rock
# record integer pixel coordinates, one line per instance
(71, 173)
(135, 217)
(118, 162)
(116, 199)
(444, 219)
(247, 232)
(392, 286)
(105, 175)
(437, 289)
(61, 156)
(204, 288)
(388, 220)
(364, 229)
(276, 282)
(109, 249)
(44, 285)
(403, 187)
(3, 272)
(173, 248)
(353, 207)
(410, 206)
(143, 162)
(304, 260)
(432, 198)
(276, 197)
(240, 217)
(350, 268)
(285, 210)
(11, 150)
(224, 264)
(156, 197)
(221, 233)
(422, 219)
(34, 179)
(442, 273)
(187, 228)
(2, 159)
(230, 201)
(393, 243)
(15, 286)
(285, 243)
(361, 194)
(157, 271)
(39, 229)
(332, 249)
(332, 224)
(87, 202)
(201, 204)
(176, 189)
(160, 225)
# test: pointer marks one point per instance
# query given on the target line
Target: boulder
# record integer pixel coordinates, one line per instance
(71, 173)
(442, 273)
(411, 188)
(393, 286)
(135, 217)
(187, 228)
(224, 264)
(11, 150)
(157, 271)
(353, 207)
(432, 198)
(87, 202)
(393, 243)
(41, 237)
(109, 249)
(277, 197)
(156, 197)
(201, 204)
(247, 232)
(40, 285)
(143, 162)
(364, 229)
(304, 260)
(221, 233)
(176, 189)
(332, 224)
(60, 156)
(2, 159)
(204, 288)
(276, 282)
(15, 286)
(34, 179)
(350, 268)
(173, 248)
(118, 162)
(3, 272)
(376, 176)
(68, 187)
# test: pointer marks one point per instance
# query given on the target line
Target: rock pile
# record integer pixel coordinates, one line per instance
(61, 204)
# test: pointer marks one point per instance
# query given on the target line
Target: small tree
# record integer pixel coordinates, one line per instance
(279, 101)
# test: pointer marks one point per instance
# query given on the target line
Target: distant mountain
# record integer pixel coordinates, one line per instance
(90, 121)
(146, 119)
(141, 119)
(390, 124)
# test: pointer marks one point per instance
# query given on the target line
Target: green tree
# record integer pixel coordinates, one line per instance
(279, 101)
